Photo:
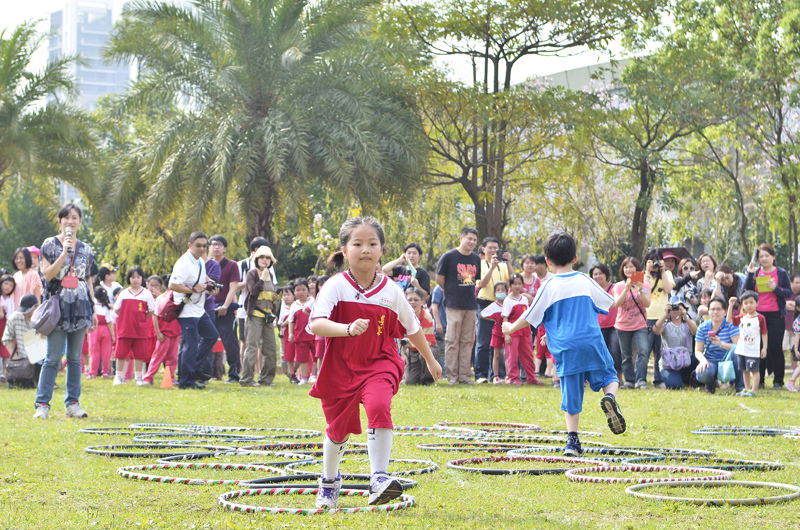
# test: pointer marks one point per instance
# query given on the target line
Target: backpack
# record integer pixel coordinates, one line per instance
(678, 357)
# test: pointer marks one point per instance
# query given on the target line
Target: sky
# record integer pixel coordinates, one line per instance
(15, 12)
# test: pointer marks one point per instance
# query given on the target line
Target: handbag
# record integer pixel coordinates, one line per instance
(19, 370)
(47, 316)
(679, 357)
(170, 309)
(725, 371)
(70, 281)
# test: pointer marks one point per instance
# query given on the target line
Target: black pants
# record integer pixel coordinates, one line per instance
(227, 332)
(612, 343)
(775, 361)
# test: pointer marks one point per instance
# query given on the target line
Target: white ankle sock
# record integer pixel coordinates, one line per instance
(379, 446)
(331, 456)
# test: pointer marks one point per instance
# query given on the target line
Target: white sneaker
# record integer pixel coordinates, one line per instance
(42, 411)
(118, 381)
(312, 379)
(74, 410)
(328, 494)
(139, 381)
(303, 381)
(383, 488)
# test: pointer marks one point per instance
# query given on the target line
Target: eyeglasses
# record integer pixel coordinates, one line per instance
(688, 267)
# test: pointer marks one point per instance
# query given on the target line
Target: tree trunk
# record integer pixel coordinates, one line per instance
(642, 209)
(260, 223)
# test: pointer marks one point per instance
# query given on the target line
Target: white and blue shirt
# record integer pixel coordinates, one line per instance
(568, 305)
(726, 332)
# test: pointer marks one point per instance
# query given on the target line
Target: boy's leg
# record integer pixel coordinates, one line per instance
(756, 377)
(608, 382)
(572, 403)
(466, 342)
(452, 344)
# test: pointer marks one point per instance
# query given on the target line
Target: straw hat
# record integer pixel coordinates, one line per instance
(264, 251)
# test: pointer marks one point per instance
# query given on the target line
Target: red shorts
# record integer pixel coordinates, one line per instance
(541, 351)
(303, 351)
(128, 348)
(497, 341)
(319, 348)
(288, 350)
(342, 415)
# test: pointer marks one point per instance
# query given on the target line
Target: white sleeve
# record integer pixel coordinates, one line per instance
(535, 314)
(118, 301)
(292, 311)
(486, 312)
(178, 276)
(601, 299)
(405, 314)
(508, 304)
(151, 303)
(326, 299)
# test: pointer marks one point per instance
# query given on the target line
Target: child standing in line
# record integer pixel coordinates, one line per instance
(168, 341)
(752, 331)
(287, 299)
(361, 313)
(154, 285)
(416, 371)
(494, 311)
(7, 307)
(567, 305)
(298, 335)
(319, 342)
(102, 338)
(133, 307)
(519, 344)
(791, 384)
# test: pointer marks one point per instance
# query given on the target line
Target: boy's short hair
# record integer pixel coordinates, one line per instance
(219, 239)
(414, 290)
(721, 301)
(560, 248)
(748, 294)
(413, 245)
(468, 230)
(539, 259)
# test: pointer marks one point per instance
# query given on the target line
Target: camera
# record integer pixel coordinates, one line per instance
(500, 253)
(210, 286)
(656, 265)
(670, 307)
(403, 342)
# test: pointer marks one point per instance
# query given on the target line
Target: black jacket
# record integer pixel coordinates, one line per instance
(783, 290)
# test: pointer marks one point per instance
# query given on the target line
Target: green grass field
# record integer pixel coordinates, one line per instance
(48, 481)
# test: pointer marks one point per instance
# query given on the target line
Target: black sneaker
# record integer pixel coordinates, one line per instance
(193, 386)
(294, 380)
(610, 407)
(574, 450)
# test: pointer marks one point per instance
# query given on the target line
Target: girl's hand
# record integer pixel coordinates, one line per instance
(732, 300)
(507, 339)
(69, 243)
(160, 336)
(113, 339)
(695, 274)
(771, 284)
(543, 342)
(290, 337)
(357, 327)
(715, 340)
(763, 353)
(628, 285)
(638, 286)
(649, 267)
(718, 276)
(751, 268)
(709, 276)
(435, 370)
(94, 324)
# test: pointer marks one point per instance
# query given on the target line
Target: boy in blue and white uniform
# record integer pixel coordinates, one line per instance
(567, 305)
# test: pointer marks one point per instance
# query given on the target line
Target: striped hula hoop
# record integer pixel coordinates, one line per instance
(749, 501)
(618, 454)
(464, 464)
(280, 432)
(576, 475)
(132, 472)
(152, 450)
(728, 464)
(308, 448)
(470, 447)
(406, 501)
(431, 467)
(293, 457)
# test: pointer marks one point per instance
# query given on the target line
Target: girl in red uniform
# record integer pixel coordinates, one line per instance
(361, 313)
(133, 306)
(301, 339)
(154, 285)
(102, 338)
(494, 312)
(168, 340)
(519, 345)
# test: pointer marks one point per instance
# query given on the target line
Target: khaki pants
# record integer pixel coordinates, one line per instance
(458, 341)
(258, 332)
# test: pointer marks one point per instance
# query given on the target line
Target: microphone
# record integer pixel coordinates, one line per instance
(68, 233)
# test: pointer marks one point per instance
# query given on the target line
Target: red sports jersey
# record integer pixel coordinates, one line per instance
(132, 312)
(494, 311)
(350, 361)
(168, 329)
(298, 317)
(513, 309)
(427, 324)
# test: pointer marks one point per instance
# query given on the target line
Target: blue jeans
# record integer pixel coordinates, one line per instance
(709, 375)
(672, 378)
(483, 339)
(206, 362)
(199, 336)
(227, 334)
(52, 364)
(626, 339)
(655, 347)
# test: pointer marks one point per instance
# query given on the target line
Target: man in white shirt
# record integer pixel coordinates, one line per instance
(198, 333)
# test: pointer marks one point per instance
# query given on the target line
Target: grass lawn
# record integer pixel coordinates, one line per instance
(48, 481)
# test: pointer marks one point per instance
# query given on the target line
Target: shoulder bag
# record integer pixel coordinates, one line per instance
(170, 309)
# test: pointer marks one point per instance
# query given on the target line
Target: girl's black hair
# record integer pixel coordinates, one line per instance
(321, 281)
(603, 268)
(116, 291)
(504, 284)
(312, 278)
(135, 270)
(157, 278)
(101, 295)
(515, 276)
(26, 254)
(300, 281)
(8, 278)
(414, 290)
(336, 260)
(64, 210)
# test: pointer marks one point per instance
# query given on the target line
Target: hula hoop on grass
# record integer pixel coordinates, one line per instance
(121, 430)
(530, 439)
(285, 432)
(732, 430)
(153, 451)
(309, 448)
(431, 467)
(620, 454)
(296, 457)
(405, 483)
(131, 473)
(717, 463)
(406, 501)
(158, 437)
(792, 435)
(481, 425)
(751, 501)
(470, 447)
(590, 434)
(459, 464)
(575, 475)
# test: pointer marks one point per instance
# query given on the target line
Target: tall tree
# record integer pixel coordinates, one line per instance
(270, 94)
(39, 140)
(497, 35)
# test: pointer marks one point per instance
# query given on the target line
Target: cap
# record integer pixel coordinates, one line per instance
(109, 266)
(669, 255)
(34, 250)
(677, 300)
(264, 251)
(27, 303)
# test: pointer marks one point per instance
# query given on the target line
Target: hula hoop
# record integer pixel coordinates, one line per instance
(575, 475)
(296, 457)
(432, 430)
(158, 437)
(480, 425)
(405, 483)
(530, 439)
(459, 464)
(286, 432)
(751, 501)
(364, 476)
(154, 451)
(589, 434)
(792, 435)
(620, 454)
(717, 463)
(123, 431)
(406, 501)
(309, 448)
(732, 430)
(130, 472)
(470, 447)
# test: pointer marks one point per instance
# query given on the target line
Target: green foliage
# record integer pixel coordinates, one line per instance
(25, 220)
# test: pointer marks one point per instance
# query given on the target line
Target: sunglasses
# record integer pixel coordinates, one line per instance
(688, 267)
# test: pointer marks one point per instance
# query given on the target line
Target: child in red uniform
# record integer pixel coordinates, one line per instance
(133, 307)
(102, 338)
(168, 340)
(302, 340)
(319, 342)
(519, 345)
(494, 311)
(154, 285)
(416, 372)
(287, 299)
(361, 313)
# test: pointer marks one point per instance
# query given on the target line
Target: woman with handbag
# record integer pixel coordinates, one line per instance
(66, 265)
(676, 330)
(715, 338)
(632, 297)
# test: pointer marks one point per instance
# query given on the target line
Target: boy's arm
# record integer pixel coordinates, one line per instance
(421, 344)
(764, 338)
(509, 328)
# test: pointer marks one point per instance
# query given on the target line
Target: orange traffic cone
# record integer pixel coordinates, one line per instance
(167, 381)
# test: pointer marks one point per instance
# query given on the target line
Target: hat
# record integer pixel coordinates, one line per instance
(34, 250)
(677, 300)
(264, 251)
(110, 267)
(27, 303)
(669, 255)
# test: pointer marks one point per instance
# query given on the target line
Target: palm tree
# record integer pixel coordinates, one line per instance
(265, 96)
(36, 140)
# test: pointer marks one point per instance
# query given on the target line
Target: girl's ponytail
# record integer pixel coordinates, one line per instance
(336, 260)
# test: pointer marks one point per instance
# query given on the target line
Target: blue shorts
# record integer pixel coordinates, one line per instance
(572, 387)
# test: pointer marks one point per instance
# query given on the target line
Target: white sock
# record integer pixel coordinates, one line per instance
(137, 375)
(331, 456)
(379, 446)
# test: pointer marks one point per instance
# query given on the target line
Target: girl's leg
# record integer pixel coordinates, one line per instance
(75, 342)
(137, 368)
(756, 377)
(52, 363)
(642, 355)
(626, 355)
(377, 400)
(512, 358)
(496, 363)
(526, 359)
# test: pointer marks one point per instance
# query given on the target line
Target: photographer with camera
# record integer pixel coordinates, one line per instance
(676, 330)
(661, 280)
(495, 267)
(213, 273)
(259, 304)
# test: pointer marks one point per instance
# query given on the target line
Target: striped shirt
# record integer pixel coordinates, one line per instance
(725, 333)
(16, 326)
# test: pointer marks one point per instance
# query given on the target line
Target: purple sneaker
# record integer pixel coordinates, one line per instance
(328, 494)
(383, 488)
